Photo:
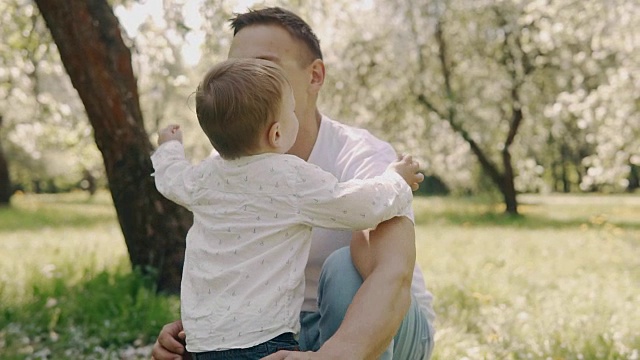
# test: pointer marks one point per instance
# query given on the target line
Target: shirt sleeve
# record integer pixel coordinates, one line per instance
(352, 205)
(173, 173)
(371, 159)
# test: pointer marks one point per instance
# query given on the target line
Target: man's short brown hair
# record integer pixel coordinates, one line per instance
(237, 99)
(292, 23)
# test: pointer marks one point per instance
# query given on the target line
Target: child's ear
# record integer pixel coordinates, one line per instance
(274, 135)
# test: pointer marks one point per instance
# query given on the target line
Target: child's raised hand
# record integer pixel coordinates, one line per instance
(171, 132)
(408, 169)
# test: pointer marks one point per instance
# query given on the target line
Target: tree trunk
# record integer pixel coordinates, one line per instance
(508, 186)
(556, 173)
(565, 158)
(5, 180)
(88, 37)
(634, 177)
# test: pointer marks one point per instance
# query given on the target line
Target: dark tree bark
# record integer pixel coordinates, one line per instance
(5, 180)
(634, 177)
(88, 37)
(564, 158)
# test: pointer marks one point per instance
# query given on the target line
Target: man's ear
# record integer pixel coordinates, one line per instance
(274, 135)
(317, 74)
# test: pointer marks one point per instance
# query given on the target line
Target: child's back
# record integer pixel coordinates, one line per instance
(243, 280)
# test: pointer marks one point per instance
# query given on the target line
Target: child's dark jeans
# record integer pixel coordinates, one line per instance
(284, 341)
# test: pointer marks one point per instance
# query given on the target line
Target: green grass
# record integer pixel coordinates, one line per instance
(560, 282)
(66, 287)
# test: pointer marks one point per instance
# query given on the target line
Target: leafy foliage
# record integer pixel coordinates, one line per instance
(47, 137)
(557, 55)
(575, 65)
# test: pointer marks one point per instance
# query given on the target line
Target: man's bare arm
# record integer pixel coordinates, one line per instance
(386, 259)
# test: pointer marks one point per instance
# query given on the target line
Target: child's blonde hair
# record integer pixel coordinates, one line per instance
(237, 99)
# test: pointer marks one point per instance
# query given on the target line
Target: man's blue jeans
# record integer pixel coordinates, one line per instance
(339, 282)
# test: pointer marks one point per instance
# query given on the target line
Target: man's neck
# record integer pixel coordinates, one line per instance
(307, 137)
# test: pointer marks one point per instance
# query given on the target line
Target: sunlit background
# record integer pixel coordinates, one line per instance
(554, 83)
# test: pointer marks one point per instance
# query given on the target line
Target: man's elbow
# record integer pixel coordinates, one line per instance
(399, 274)
(396, 253)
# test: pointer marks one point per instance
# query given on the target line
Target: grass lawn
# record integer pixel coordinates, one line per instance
(561, 282)
(66, 287)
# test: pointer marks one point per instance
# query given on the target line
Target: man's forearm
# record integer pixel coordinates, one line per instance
(386, 261)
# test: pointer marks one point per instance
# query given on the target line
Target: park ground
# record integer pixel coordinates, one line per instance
(559, 282)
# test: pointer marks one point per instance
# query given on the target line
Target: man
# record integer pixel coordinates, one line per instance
(389, 314)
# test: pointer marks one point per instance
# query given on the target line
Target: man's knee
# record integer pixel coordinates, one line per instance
(338, 263)
(339, 282)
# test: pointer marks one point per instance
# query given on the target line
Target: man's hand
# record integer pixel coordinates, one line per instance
(171, 132)
(408, 169)
(170, 343)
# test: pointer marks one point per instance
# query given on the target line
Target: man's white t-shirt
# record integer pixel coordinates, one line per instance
(350, 153)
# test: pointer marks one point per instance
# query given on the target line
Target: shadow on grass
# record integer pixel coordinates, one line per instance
(101, 198)
(485, 217)
(54, 215)
(74, 209)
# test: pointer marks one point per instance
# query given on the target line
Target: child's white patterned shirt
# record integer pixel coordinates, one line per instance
(243, 277)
